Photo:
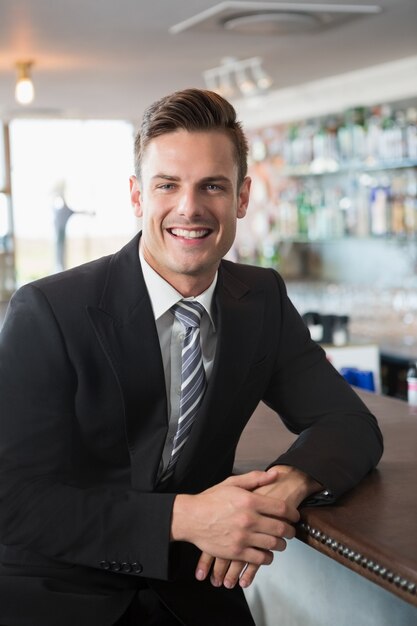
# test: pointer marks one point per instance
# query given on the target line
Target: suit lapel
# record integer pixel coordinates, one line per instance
(125, 326)
(239, 315)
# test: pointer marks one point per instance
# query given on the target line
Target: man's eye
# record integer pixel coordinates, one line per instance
(166, 186)
(213, 187)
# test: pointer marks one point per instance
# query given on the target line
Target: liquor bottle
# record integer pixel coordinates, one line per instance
(274, 140)
(410, 202)
(304, 210)
(397, 218)
(331, 147)
(345, 139)
(258, 149)
(297, 145)
(384, 149)
(308, 134)
(411, 133)
(412, 384)
(287, 216)
(290, 134)
(379, 208)
(399, 136)
(319, 149)
(358, 134)
(373, 135)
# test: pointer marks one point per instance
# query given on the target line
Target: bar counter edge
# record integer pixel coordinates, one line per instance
(371, 529)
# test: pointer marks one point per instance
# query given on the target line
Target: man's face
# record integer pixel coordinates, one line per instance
(189, 201)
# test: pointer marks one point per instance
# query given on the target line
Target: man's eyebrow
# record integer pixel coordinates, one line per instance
(216, 179)
(165, 176)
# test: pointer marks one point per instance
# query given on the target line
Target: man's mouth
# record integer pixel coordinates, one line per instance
(199, 233)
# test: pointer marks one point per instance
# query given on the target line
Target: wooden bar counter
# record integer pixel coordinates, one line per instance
(372, 530)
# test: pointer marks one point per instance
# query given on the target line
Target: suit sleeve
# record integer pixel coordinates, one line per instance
(339, 440)
(43, 508)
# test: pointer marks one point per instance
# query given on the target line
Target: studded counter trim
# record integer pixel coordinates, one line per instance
(355, 557)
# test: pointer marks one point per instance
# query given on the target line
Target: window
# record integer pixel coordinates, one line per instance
(84, 165)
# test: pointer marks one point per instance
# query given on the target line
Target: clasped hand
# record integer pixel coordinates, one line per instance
(237, 525)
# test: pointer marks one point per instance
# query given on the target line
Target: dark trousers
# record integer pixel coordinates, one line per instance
(147, 610)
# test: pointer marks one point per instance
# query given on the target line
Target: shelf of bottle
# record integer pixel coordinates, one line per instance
(331, 167)
(394, 237)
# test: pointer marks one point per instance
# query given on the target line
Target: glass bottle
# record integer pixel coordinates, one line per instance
(411, 133)
(412, 384)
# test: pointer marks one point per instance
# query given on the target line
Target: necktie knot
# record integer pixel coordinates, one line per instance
(188, 313)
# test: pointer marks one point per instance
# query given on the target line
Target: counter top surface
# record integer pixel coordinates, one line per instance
(373, 528)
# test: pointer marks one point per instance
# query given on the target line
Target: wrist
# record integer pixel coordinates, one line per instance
(181, 511)
(295, 485)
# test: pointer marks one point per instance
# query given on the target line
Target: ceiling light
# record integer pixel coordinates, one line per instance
(24, 92)
(245, 84)
(262, 79)
(237, 78)
(225, 87)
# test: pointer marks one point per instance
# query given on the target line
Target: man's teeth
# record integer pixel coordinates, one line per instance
(189, 234)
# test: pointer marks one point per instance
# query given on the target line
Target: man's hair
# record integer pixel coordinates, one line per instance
(193, 110)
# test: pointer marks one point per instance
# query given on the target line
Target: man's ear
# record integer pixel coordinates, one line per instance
(243, 199)
(135, 196)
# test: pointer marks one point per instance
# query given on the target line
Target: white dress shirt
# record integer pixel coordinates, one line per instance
(171, 335)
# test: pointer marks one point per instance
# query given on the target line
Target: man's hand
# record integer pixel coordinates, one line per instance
(288, 485)
(232, 522)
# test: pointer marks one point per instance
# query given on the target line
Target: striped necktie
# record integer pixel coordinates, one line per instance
(193, 377)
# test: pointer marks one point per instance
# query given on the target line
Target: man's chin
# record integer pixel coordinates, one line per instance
(196, 269)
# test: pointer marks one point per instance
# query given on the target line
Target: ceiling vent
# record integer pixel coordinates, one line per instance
(272, 18)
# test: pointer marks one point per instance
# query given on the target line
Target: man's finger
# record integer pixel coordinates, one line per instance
(236, 569)
(277, 508)
(203, 566)
(252, 480)
(247, 576)
(219, 570)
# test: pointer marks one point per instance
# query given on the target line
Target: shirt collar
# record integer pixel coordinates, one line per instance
(163, 295)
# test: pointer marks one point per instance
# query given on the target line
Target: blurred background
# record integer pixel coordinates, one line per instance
(328, 95)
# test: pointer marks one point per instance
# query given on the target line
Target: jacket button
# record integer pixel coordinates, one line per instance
(104, 565)
(115, 566)
(126, 568)
(137, 568)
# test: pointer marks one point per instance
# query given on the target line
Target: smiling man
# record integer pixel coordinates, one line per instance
(125, 385)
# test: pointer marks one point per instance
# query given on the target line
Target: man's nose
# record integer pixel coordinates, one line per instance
(189, 203)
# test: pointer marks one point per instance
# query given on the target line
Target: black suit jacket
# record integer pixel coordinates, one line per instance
(83, 420)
